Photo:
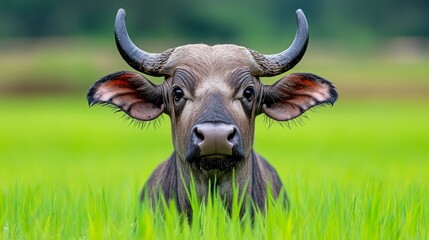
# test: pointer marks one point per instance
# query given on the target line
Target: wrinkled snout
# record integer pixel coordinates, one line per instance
(215, 145)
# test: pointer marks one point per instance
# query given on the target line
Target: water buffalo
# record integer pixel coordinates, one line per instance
(212, 95)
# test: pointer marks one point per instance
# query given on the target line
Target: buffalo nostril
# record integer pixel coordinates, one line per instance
(198, 134)
(231, 135)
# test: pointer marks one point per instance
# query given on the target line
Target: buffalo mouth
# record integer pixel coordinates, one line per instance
(217, 162)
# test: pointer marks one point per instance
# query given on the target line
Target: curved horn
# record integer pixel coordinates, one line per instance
(149, 63)
(275, 64)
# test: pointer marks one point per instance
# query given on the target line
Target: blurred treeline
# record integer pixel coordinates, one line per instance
(216, 21)
(51, 46)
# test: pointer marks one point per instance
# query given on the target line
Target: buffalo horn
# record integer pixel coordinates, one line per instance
(274, 64)
(149, 63)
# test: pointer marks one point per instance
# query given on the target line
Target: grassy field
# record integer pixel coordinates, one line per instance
(358, 170)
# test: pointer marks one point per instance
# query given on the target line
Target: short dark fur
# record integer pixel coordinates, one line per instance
(215, 111)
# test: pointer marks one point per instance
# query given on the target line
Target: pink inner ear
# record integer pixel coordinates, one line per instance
(107, 91)
(121, 94)
(145, 111)
(282, 111)
(304, 83)
(125, 100)
(118, 83)
(297, 93)
(317, 90)
(124, 91)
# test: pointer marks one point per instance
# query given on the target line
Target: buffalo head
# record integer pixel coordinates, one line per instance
(212, 95)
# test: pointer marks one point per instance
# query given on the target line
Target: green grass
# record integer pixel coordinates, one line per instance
(358, 170)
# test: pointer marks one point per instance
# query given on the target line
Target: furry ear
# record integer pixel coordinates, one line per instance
(296, 93)
(131, 92)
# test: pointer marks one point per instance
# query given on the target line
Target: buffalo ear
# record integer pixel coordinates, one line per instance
(131, 92)
(296, 93)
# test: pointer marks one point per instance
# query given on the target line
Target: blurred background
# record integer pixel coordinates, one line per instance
(375, 52)
(61, 47)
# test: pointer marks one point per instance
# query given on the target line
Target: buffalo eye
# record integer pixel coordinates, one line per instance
(178, 94)
(248, 93)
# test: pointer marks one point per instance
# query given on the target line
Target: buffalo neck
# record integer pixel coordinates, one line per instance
(205, 181)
